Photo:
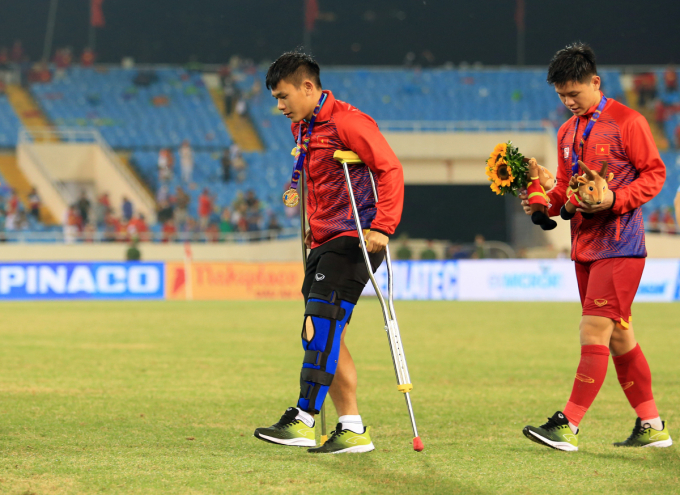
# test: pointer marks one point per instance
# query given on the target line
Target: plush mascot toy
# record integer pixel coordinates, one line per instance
(540, 180)
(588, 188)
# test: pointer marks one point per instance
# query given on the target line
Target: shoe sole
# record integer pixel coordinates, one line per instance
(357, 449)
(661, 443)
(535, 437)
(291, 442)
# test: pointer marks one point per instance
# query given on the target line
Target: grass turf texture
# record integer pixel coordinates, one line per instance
(163, 397)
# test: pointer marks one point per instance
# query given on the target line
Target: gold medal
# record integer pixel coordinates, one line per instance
(291, 198)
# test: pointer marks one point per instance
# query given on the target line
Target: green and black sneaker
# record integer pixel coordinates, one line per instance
(555, 434)
(645, 436)
(346, 442)
(288, 431)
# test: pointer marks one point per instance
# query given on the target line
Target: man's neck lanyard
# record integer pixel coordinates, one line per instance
(291, 197)
(574, 154)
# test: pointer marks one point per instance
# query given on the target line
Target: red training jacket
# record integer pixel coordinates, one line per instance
(340, 126)
(622, 137)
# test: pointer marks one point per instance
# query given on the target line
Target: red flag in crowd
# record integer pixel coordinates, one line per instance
(311, 13)
(96, 13)
(519, 15)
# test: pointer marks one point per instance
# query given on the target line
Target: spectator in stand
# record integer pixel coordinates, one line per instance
(126, 209)
(273, 225)
(112, 227)
(230, 94)
(241, 107)
(163, 194)
(668, 221)
(237, 161)
(226, 166)
(88, 57)
(101, 209)
(169, 231)
(653, 221)
(4, 57)
(71, 222)
(670, 78)
(13, 203)
(34, 204)
(659, 113)
(83, 206)
(186, 161)
(62, 61)
(17, 52)
(182, 201)
(205, 206)
(137, 228)
(251, 200)
(165, 164)
(165, 212)
(226, 226)
(215, 216)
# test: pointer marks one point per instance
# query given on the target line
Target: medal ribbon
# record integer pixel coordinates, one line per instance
(586, 133)
(303, 144)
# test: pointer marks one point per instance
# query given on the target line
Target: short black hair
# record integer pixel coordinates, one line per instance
(293, 66)
(574, 63)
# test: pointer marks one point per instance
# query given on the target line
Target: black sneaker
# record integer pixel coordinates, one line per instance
(645, 436)
(288, 431)
(555, 434)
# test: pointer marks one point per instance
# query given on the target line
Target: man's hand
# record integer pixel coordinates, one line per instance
(605, 205)
(308, 239)
(525, 202)
(375, 241)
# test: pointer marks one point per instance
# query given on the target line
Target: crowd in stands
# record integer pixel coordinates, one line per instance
(206, 187)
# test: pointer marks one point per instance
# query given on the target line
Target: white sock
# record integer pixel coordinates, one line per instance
(654, 423)
(352, 422)
(573, 428)
(305, 417)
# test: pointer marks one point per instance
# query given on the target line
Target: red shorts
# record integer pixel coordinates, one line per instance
(607, 287)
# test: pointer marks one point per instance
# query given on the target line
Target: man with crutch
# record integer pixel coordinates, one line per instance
(336, 272)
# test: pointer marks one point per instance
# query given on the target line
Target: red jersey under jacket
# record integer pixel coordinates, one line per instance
(340, 126)
(622, 138)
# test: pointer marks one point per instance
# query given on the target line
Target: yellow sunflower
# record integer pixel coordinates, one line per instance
(495, 188)
(504, 174)
(500, 151)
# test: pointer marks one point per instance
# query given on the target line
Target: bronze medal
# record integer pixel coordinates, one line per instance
(291, 198)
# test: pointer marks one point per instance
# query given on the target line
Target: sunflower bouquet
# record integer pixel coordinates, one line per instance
(507, 169)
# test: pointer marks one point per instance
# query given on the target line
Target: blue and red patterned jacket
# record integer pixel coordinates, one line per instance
(622, 137)
(340, 126)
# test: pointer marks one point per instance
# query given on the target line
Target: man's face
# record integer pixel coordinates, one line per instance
(579, 97)
(294, 102)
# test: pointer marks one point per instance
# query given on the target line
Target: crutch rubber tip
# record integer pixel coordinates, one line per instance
(418, 444)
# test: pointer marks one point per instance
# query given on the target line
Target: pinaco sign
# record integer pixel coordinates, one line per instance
(237, 281)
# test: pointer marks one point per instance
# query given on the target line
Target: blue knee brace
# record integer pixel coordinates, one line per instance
(322, 351)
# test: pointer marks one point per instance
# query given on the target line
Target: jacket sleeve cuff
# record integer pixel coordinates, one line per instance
(381, 231)
(614, 201)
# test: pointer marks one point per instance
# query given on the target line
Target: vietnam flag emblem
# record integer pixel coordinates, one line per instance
(602, 149)
(322, 141)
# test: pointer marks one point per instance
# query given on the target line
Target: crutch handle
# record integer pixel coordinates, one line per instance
(347, 157)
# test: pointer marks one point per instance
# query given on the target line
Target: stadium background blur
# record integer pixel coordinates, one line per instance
(121, 123)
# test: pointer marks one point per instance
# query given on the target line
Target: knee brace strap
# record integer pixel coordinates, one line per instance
(322, 351)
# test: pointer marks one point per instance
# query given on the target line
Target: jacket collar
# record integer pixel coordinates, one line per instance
(592, 109)
(326, 109)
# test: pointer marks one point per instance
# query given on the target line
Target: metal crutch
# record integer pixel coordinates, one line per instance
(303, 230)
(389, 315)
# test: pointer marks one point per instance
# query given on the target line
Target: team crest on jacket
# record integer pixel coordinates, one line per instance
(566, 152)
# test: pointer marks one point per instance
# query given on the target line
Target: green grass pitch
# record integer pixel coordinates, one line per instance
(163, 397)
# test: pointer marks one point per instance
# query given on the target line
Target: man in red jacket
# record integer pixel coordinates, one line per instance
(607, 245)
(336, 273)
